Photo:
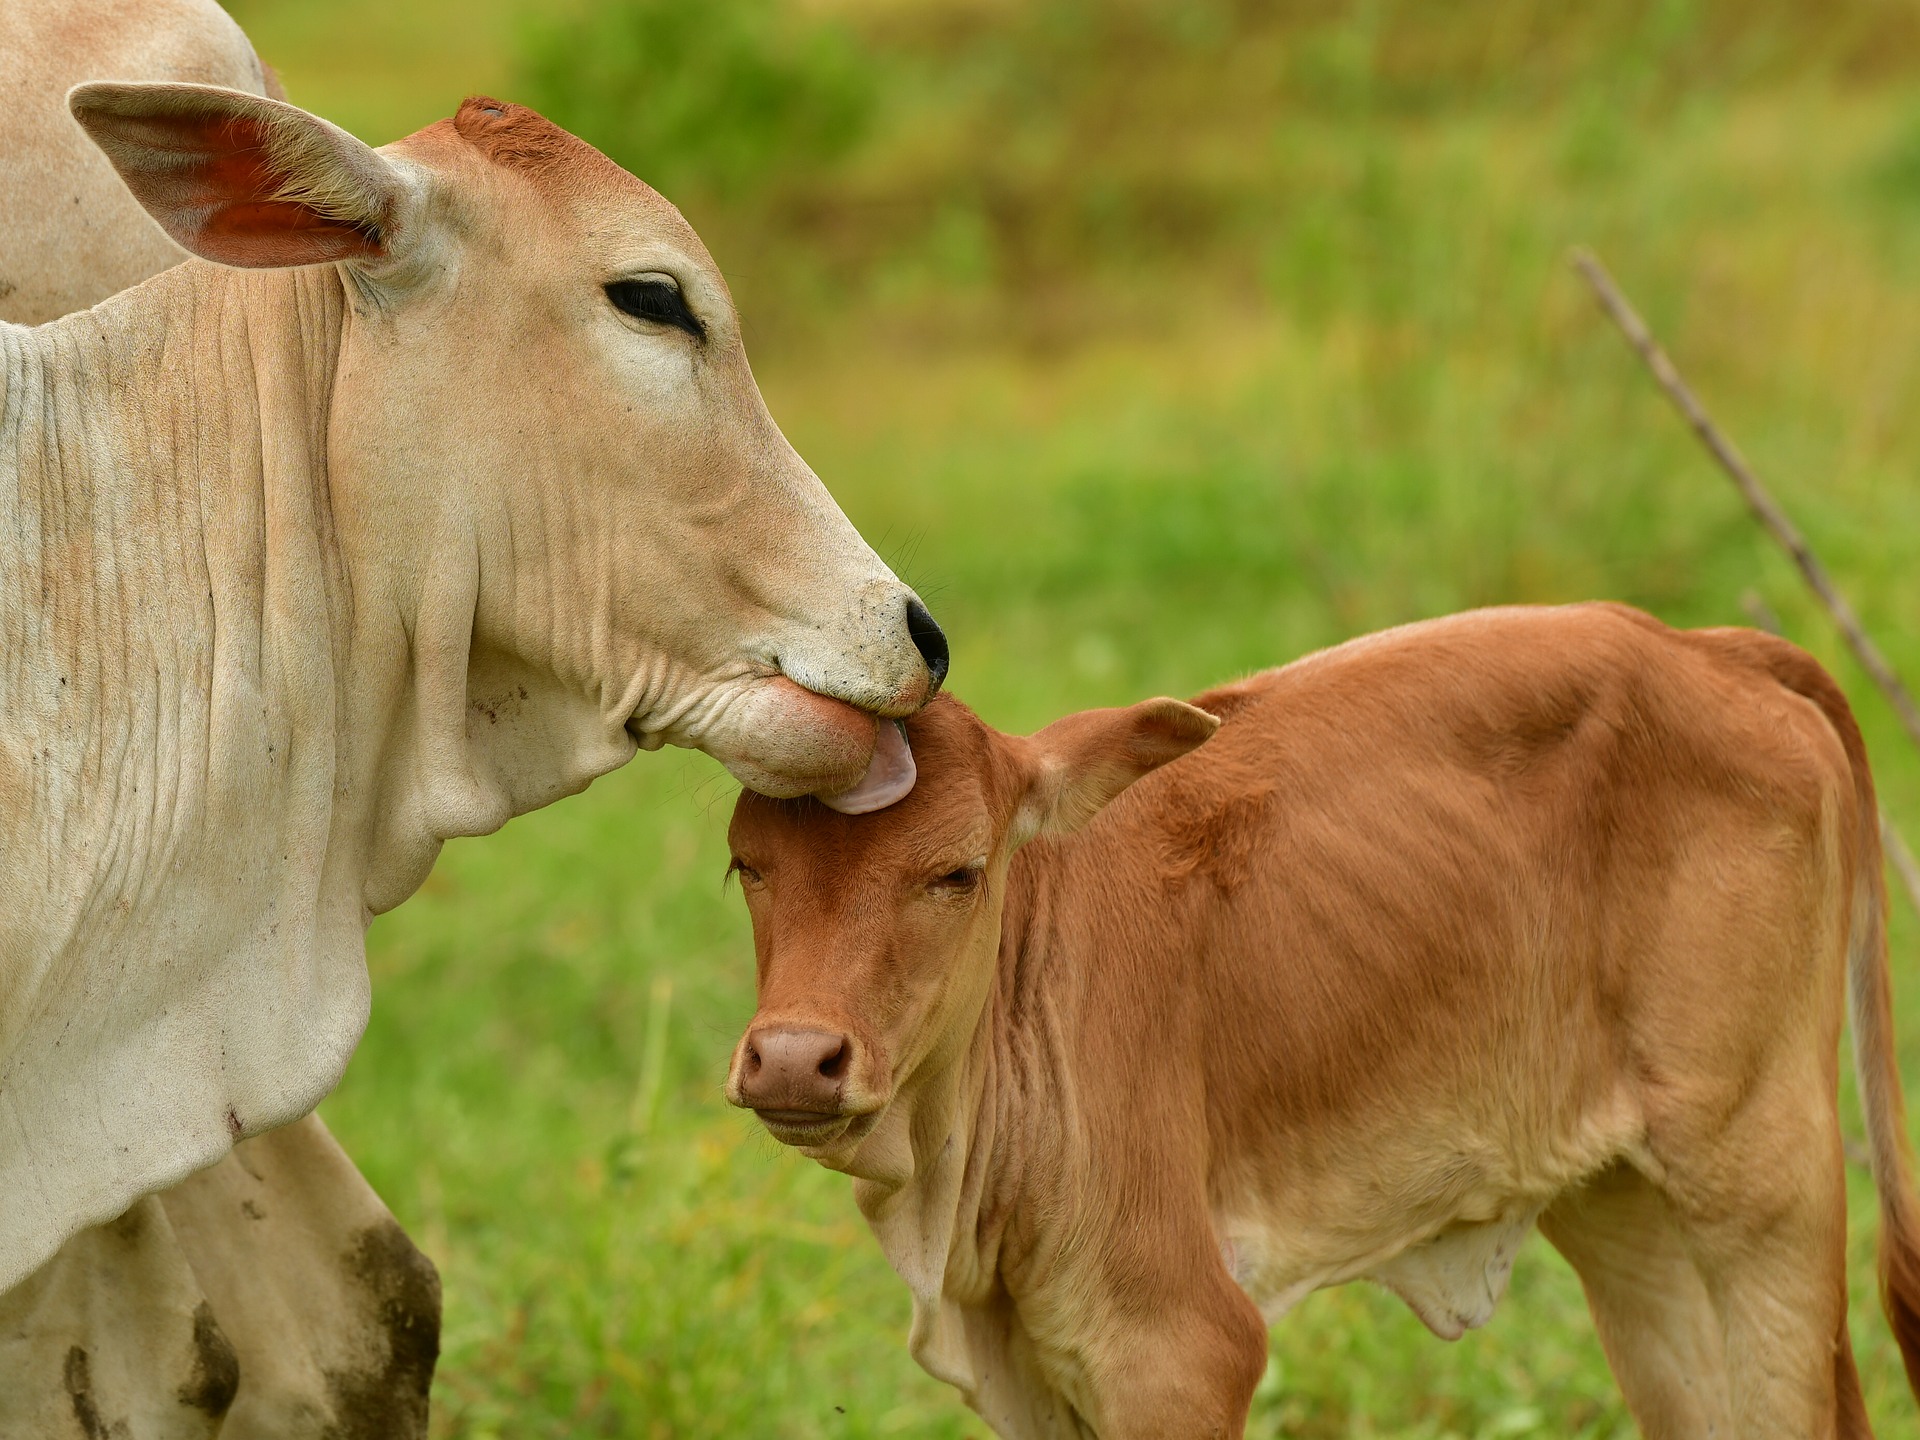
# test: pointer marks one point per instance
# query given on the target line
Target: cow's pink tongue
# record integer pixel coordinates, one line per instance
(889, 777)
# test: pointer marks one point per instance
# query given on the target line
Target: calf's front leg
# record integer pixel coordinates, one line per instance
(1180, 1361)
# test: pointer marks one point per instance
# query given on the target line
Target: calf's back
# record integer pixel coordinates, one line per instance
(1425, 932)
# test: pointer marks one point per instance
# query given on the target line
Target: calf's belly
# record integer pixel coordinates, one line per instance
(1453, 1279)
(1445, 1243)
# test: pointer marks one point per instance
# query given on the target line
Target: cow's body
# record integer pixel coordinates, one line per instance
(272, 1296)
(1518, 917)
(311, 566)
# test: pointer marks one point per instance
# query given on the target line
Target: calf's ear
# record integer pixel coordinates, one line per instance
(241, 179)
(1085, 760)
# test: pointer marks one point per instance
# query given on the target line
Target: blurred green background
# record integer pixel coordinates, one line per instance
(1154, 341)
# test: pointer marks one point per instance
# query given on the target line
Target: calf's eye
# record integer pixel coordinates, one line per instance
(960, 881)
(748, 875)
(659, 301)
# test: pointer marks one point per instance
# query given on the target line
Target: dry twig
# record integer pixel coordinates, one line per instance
(1770, 515)
(1763, 505)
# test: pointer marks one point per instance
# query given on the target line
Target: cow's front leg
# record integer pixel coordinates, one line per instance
(334, 1312)
(114, 1337)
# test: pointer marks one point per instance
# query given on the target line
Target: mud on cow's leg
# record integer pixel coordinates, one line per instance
(271, 1297)
(334, 1311)
(113, 1339)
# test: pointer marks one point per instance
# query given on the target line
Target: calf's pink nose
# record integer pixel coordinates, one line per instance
(793, 1070)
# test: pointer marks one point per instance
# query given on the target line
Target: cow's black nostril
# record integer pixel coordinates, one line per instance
(835, 1065)
(928, 638)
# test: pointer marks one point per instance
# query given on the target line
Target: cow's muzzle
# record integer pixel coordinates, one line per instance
(930, 640)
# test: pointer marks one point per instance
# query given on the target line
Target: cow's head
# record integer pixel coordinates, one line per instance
(878, 935)
(543, 435)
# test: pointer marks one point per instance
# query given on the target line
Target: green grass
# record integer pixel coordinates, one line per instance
(1357, 386)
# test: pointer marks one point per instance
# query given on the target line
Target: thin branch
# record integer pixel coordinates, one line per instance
(1902, 860)
(1763, 505)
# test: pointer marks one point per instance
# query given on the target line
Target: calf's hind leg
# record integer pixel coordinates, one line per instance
(1656, 1321)
(1764, 1213)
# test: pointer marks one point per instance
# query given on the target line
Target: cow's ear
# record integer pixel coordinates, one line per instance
(1085, 760)
(241, 179)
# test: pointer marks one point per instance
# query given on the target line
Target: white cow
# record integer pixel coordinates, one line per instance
(272, 1295)
(311, 568)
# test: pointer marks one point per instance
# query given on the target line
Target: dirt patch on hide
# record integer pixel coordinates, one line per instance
(216, 1369)
(86, 1410)
(388, 1399)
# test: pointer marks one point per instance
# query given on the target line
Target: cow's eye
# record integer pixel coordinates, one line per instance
(657, 300)
(962, 881)
(748, 875)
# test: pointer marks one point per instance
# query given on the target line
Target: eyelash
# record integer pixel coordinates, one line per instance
(967, 877)
(657, 301)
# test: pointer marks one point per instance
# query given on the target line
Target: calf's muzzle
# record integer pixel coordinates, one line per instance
(794, 1077)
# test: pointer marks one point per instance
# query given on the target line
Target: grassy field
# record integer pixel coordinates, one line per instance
(1208, 351)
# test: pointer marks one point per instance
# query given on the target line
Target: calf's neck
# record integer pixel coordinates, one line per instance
(1526, 917)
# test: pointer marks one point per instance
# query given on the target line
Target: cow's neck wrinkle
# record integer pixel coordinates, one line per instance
(964, 1231)
(173, 611)
(172, 585)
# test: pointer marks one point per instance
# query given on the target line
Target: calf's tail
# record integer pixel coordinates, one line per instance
(1870, 1000)
(1870, 996)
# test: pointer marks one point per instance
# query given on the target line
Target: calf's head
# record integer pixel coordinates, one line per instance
(877, 936)
(544, 448)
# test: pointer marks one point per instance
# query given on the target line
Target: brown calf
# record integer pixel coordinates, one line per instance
(1519, 917)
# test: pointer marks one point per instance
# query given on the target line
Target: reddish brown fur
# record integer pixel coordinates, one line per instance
(1899, 1223)
(1523, 914)
(526, 141)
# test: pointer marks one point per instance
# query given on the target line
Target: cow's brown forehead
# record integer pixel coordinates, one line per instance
(525, 140)
(550, 158)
